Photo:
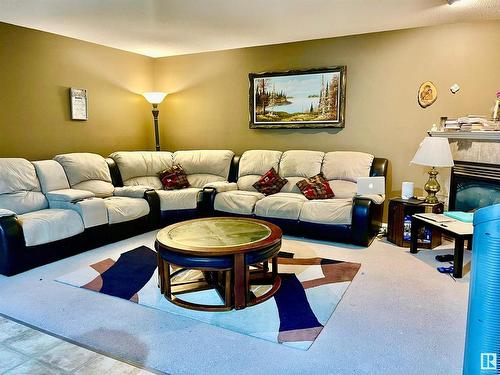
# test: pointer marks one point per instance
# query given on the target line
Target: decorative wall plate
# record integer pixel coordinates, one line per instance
(427, 94)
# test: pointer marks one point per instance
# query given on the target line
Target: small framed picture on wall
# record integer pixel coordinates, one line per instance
(79, 104)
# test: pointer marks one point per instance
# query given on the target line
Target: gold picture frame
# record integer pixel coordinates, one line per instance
(312, 98)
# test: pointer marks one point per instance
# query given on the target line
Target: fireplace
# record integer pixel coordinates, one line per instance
(474, 185)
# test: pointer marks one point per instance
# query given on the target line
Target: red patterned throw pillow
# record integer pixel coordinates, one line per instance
(174, 178)
(270, 183)
(316, 187)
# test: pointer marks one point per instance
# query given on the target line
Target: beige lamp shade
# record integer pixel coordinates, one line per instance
(434, 152)
(154, 97)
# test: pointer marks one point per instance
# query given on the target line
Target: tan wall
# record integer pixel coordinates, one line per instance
(208, 104)
(36, 70)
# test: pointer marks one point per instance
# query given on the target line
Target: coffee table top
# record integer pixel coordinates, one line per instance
(219, 236)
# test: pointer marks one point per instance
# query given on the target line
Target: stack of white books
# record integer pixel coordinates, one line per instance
(470, 123)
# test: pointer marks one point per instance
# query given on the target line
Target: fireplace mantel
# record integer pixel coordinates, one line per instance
(493, 136)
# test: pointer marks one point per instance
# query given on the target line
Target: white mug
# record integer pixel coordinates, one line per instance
(407, 190)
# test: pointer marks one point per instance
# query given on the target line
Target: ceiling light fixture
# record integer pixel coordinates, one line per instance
(450, 2)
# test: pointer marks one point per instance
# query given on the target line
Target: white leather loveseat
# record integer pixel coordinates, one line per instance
(202, 167)
(344, 218)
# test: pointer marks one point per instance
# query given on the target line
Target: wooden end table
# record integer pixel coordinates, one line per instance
(397, 228)
(223, 249)
(458, 230)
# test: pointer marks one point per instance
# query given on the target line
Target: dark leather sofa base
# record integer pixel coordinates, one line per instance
(335, 233)
(174, 216)
(34, 256)
(17, 257)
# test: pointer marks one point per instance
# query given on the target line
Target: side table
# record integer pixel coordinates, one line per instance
(458, 230)
(399, 223)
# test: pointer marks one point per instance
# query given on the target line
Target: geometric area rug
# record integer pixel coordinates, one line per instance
(311, 289)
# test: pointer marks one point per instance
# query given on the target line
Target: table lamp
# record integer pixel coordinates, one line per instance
(433, 152)
(155, 98)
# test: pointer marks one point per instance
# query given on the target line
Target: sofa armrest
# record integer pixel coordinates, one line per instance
(92, 210)
(206, 199)
(6, 213)
(153, 200)
(222, 186)
(131, 191)
(12, 245)
(363, 225)
(68, 195)
(375, 198)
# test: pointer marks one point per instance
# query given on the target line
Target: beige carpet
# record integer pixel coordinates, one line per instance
(399, 315)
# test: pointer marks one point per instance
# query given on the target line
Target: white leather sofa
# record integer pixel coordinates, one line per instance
(334, 219)
(203, 168)
(30, 225)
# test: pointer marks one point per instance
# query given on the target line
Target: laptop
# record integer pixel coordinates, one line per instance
(371, 185)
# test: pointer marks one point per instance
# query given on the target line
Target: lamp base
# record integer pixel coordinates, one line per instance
(432, 187)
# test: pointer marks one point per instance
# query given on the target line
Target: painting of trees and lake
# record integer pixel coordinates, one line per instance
(295, 99)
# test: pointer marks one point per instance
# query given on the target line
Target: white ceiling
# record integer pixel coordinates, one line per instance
(173, 27)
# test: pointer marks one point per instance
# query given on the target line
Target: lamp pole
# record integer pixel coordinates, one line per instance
(155, 112)
(155, 98)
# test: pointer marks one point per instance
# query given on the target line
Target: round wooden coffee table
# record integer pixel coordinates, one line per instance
(223, 249)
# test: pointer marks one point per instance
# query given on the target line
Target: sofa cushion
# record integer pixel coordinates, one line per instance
(204, 166)
(270, 183)
(134, 191)
(141, 167)
(280, 205)
(19, 186)
(6, 213)
(296, 165)
(346, 165)
(121, 209)
(182, 199)
(101, 189)
(173, 178)
(253, 164)
(237, 202)
(44, 226)
(343, 189)
(315, 187)
(327, 211)
(51, 175)
(86, 171)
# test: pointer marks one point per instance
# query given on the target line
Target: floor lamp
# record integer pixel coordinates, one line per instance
(155, 98)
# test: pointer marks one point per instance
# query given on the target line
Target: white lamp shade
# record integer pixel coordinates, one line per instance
(434, 152)
(154, 97)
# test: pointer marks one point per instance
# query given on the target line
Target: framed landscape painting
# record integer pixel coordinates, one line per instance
(313, 98)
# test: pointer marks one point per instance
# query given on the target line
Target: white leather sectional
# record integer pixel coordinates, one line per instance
(50, 209)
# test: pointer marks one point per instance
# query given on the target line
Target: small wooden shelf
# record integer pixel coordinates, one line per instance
(480, 135)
